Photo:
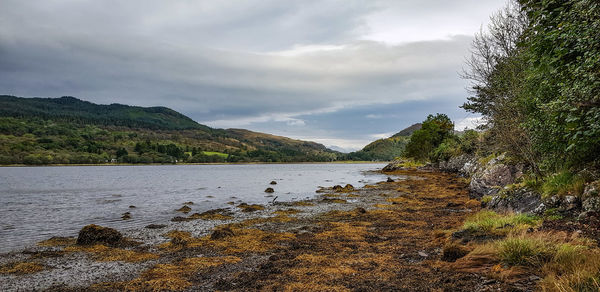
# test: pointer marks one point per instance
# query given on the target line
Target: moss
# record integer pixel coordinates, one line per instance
(486, 199)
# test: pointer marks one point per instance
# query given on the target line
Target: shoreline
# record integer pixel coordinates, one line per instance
(175, 164)
(382, 234)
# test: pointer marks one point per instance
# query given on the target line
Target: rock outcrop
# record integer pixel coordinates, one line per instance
(518, 200)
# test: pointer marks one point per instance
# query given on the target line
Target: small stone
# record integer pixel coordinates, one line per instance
(269, 190)
(389, 179)
(423, 254)
(132, 207)
(273, 182)
(361, 210)
(155, 226)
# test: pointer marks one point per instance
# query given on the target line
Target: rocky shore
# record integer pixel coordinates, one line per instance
(393, 235)
(416, 231)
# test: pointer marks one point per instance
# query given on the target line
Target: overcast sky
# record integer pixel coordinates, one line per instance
(342, 73)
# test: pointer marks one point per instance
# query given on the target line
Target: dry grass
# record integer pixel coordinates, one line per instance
(243, 241)
(21, 268)
(175, 277)
(108, 254)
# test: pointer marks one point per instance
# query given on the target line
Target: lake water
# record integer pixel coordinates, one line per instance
(40, 202)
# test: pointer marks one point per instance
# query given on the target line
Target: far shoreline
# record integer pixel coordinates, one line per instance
(207, 163)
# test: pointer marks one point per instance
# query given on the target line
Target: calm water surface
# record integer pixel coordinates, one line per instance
(39, 202)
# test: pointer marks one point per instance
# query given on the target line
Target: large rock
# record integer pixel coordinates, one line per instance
(591, 204)
(518, 200)
(464, 164)
(94, 234)
(394, 166)
(492, 177)
(591, 190)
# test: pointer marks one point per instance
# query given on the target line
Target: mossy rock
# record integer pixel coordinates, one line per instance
(94, 234)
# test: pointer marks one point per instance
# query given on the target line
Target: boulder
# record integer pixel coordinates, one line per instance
(491, 178)
(518, 200)
(389, 179)
(591, 190)
(94, 234)
(569, 203)
(464, 164)
(591, 204)
(394, 166)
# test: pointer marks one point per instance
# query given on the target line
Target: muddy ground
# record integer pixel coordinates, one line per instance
(384, 237)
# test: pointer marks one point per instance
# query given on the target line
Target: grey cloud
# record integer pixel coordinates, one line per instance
(243, 63)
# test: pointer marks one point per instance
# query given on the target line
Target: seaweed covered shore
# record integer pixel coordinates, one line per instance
(404, 234)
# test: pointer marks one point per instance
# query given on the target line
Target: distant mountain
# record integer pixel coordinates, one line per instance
(387, 148)
(69, 130)
(408, 131)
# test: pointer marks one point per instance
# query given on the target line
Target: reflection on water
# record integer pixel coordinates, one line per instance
(39, 202)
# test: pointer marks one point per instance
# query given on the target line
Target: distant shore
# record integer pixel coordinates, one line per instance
(216, 163)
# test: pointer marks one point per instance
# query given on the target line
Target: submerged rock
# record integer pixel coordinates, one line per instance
(269, 190)
(184, 209)
(126, 216)
(93, 234)
(273, 182)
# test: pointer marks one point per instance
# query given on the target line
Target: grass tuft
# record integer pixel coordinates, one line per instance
(488, 222)
(562, 184)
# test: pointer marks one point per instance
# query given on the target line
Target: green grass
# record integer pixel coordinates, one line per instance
(562, 184)
(492, 223)
(224, 155)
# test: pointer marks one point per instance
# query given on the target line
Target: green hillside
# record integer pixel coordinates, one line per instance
(68, 130)
(73, 110)
(387, 148)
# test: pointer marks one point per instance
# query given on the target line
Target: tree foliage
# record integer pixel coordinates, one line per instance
(535, 77)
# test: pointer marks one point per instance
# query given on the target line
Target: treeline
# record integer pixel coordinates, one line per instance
(76, 111)
(535, 80)
(37, 141)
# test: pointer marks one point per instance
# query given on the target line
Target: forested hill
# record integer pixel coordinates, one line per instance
(71, 109)
(386, 148)
(67, 130)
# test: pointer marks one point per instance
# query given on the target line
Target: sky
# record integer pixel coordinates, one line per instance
(339, 72)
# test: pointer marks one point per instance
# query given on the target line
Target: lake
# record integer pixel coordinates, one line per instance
(40, 202)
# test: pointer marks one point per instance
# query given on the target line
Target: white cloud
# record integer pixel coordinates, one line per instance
(468, 123)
